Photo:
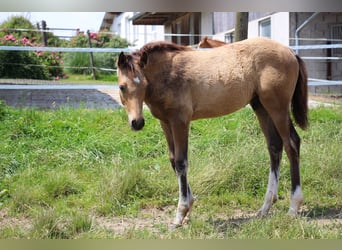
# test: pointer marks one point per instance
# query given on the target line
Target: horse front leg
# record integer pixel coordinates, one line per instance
(180, 164)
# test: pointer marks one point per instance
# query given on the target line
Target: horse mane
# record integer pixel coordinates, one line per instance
(148, 49)
(160, 47)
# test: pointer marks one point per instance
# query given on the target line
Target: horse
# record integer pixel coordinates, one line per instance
(179, 84)
(210, 43)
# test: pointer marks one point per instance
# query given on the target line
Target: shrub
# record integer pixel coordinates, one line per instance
(27, 64)
(21, 64)
(101, 60)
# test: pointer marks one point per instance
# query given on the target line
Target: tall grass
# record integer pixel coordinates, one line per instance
(63, 169)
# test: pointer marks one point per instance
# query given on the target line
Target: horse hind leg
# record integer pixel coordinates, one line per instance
(275, 147)
(291, 142)
(296, 192)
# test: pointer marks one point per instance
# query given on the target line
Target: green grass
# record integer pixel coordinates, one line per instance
(64, 172)
(88, 79)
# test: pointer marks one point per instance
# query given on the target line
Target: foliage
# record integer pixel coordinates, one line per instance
(14, 64)
(70, 172)
(102, 60)
(19, 22)
(27, 64)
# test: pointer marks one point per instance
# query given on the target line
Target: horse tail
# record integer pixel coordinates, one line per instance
(300, 97)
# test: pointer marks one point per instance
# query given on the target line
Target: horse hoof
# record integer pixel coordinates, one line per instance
(292, 212)
(261, 213)
(173, 226)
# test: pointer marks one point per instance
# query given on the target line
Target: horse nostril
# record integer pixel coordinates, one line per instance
(138, 124)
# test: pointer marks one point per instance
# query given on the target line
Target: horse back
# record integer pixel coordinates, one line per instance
(224, 79)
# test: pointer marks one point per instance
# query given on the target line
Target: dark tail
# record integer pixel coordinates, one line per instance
(300, 97)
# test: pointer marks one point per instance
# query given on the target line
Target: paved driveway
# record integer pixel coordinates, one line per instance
(54, 96)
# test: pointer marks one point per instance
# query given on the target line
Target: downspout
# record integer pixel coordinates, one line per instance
(301, 27)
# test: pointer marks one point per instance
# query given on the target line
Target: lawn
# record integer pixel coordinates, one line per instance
(81, 173)
(88, 79)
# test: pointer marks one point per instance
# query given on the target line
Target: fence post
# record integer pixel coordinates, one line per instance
(91, 56)
(44, 35)
(241, 26)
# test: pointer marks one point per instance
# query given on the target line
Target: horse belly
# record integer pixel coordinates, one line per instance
(220, 99)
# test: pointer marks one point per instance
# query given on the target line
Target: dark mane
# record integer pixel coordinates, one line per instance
(160, 47)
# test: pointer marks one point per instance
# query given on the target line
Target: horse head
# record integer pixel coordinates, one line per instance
(132, 84)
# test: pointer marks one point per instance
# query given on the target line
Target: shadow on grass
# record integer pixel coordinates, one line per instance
(323, 212)
(233, 223)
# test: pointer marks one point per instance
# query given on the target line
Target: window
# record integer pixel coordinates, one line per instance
(265, 28)
(229, 37)
(336, 37)
(135, 33)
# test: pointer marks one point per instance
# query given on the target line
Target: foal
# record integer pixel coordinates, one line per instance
(179, 85)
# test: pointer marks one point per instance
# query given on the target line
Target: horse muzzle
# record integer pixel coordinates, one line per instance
(137, 124)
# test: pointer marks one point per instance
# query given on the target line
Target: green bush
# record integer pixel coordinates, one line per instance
(21, 64)
(79, 63)
(27, 64)
(19, 22)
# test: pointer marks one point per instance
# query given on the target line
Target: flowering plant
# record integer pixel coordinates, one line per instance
(52, 61)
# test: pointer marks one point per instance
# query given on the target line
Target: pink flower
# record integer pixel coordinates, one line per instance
(93, 35)
(25, 41)
(10, 38)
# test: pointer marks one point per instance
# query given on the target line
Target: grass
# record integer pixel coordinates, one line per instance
(78, 173)
(88, 79)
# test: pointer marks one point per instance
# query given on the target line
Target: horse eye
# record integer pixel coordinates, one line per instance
(122, 88)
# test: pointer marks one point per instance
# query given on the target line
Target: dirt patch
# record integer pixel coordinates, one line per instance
(154, 220)
(148, 219)
(327, 98)
(7, 221)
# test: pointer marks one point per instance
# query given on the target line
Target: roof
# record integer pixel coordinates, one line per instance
(156, 18)
(108, 20)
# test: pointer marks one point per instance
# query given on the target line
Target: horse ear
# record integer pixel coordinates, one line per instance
(143, 60)
(122, 60)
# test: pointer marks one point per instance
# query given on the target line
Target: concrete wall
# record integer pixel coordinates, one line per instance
(317, 32)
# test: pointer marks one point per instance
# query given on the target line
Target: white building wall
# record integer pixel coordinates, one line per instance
(280, 25)
(206, 23)
(137, 35)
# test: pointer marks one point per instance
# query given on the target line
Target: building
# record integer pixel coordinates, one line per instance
(121, 23)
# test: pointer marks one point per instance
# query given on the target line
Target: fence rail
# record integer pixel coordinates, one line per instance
(63, 49)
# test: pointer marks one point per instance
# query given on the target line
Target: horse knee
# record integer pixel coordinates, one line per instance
(173, 164)
(181, 167)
